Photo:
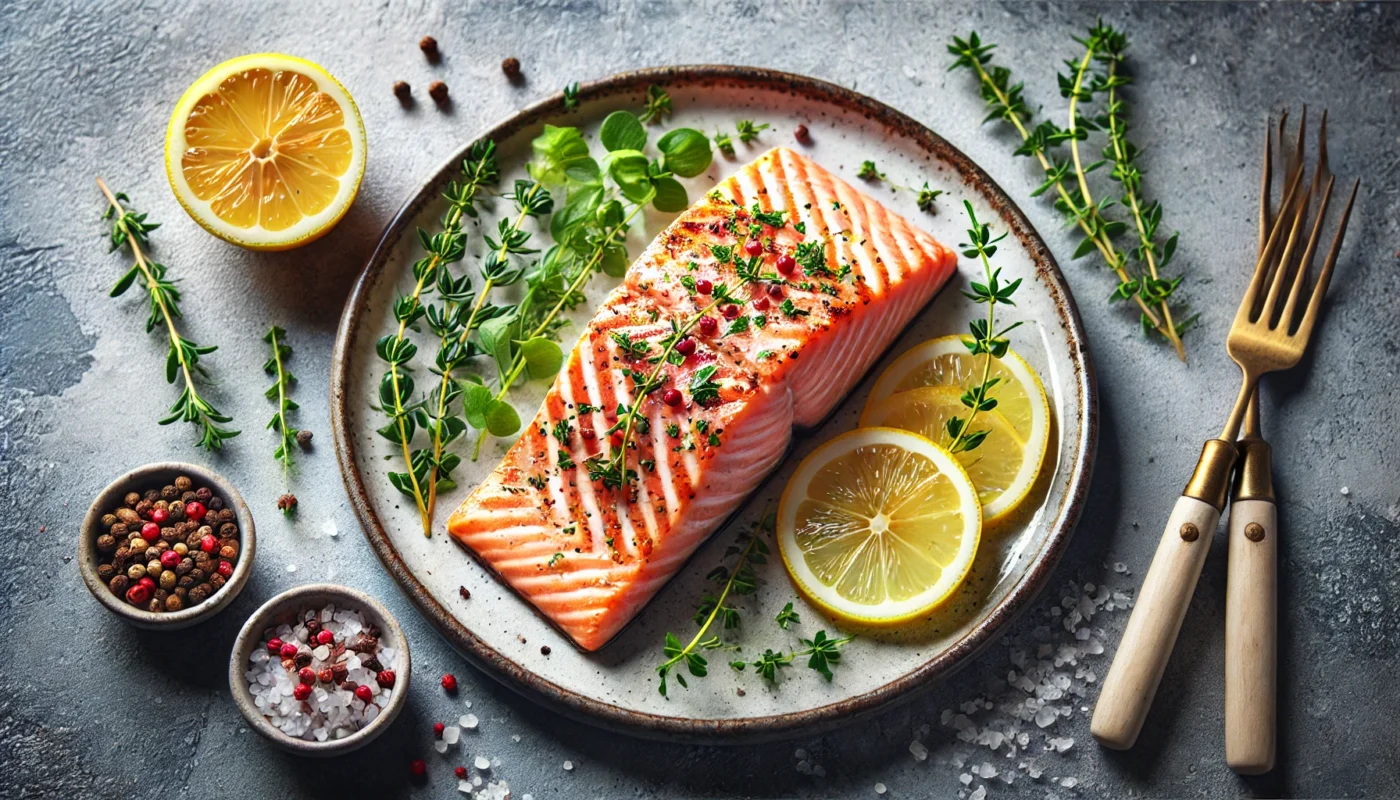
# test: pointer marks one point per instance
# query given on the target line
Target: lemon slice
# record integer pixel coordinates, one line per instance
(266, 151)
(879, 526)
(1004, 467)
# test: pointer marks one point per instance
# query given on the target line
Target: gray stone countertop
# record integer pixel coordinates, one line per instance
(92, 708)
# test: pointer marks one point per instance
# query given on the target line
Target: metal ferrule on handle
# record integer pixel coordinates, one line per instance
(1161, 605)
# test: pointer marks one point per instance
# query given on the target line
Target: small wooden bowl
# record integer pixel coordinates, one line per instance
(283, 609)
(156, 475)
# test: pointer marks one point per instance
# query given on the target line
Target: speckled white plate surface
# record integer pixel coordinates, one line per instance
(617, 686)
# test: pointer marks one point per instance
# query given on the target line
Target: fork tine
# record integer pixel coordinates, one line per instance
(1284, 270)
(1325, 277)
(1286, 319)
(1263, 264)
(1267, 188)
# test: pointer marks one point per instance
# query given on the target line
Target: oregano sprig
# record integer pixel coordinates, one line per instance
(182, 361)
(1006, 101)
(736, 580)
(822, 653)
(924, 197)
(280, 391)
(986, 339)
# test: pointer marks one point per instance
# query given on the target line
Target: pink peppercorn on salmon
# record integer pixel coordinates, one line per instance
(755, 312)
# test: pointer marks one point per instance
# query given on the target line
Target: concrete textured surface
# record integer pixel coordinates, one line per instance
(92, 708)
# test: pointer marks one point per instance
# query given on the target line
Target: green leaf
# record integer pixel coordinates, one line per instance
(629, 169)
(543, 358)
(570, 220)
(623, 131)
(686, 152)
(501, 419)
(614, 261)
(496, 340)
(476, 398)
(125, 282)
(555, 151)
(670, 195)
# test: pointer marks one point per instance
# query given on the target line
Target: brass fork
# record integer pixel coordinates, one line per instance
(1264, 337)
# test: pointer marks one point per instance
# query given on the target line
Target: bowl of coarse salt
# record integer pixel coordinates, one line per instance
(320, 670)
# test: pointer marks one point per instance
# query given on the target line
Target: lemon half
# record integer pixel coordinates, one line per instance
(879, 526)
(266, 151)
(923, 388)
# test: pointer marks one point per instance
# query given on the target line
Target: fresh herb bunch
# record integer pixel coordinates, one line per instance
(1108, 49)
(734, 581)
(131, 230)
(479, 169)
(280, 390)
(1067, 179)
(986, 339)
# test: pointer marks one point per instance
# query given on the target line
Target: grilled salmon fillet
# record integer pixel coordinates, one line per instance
(836, 278)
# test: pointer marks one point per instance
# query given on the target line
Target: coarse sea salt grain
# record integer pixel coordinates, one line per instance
(469, 721)
(880, 788)
(440, 746)
(918, 750)
(568, 766)
(451, 734)
(330, 712)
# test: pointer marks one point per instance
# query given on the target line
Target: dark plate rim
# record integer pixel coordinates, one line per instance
(580, 707)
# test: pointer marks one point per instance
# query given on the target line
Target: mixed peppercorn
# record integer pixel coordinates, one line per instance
(170, 548)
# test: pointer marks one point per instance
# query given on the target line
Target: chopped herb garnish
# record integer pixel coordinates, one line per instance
(555, 559)
(737, 325)
(562, 429)
(633, 349)
(926, 198)
(673, 430)
(812, 257)
(748, 131)
(724, 144)
(868, 172)
(565, 460)
(764, 355)
(703, 390)
(791, 310)
(772, 218)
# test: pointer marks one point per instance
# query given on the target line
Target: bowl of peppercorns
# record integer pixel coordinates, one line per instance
(167, 545)
(320, 670)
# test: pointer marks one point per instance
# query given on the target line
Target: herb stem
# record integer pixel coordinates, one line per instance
(987, 356)
(197, 409)
(502, 254)
(284, 403)
(1105, 248)
(719, 604)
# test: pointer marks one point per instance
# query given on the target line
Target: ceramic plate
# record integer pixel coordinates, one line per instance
(617, 686)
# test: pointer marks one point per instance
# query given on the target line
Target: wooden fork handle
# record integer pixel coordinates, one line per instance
(1251, 636)
(1156, 620)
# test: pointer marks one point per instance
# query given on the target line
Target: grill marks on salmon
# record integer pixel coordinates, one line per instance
(588, 555)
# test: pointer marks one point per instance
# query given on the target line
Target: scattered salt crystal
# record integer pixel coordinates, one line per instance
(469, 721)
(880, 788)
(476, 781)
(965, 779)
(918, 750)
(291, 567)
(1044, 717)
(1193, 59)
(328, 528)
(451, 734)
(799, 753)
(1069, 783)
(568, 766)
(482, 763)
(804, 768)
(1345, 491)
(986, 771)
(440, 745)
(464, 786)
(1060, 744)
(515, 738)
(528, 797)
(1120, 568)
(980, 793)
(321, 653)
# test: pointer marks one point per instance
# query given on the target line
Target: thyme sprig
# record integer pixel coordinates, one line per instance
(280, 390)
(397, 350)
(658, 108)
(1006, 101)
(498, 269)
(924, 197)
(822, 653)
(131, 230)
(737, 580)
(986, 339)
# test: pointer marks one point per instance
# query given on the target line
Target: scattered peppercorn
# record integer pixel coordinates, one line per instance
(418, 767)
(287, 504)
(438, 91)
(460, 772)
(429, 46)
(449, 682)
(802, 135)
(303, 435)
(511, 67)
(438, 728)
(405, 95)
(462, 590)
(385, 678)
(544, 650)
